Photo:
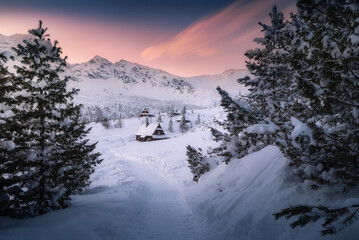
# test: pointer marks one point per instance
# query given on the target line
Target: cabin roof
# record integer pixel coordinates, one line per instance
(149, 130)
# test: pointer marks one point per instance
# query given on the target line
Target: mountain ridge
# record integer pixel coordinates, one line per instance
(99, 75)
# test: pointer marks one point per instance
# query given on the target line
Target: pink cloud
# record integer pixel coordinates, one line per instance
(214, 34)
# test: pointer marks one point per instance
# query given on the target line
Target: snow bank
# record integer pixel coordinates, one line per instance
(239, 199)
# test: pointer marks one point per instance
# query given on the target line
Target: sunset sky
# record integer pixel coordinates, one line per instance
(187, 37)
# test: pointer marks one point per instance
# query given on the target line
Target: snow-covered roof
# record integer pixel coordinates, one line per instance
(149, 130)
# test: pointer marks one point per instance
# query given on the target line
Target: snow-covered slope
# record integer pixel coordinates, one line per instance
(7, 42)
(102, 82)
(144, 190)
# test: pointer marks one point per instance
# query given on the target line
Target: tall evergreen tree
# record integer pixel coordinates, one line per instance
(273, 92)
(183, 124)
(52, 159)
(198, 121)
(269, 100)
(171, 112)
(170, 125)
(326, 65)
(159, 118)
(270, 88)
(6, 125)
(184, 110)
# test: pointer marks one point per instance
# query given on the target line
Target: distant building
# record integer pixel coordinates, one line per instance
(146, 113)
(173, 112)
(150, 132)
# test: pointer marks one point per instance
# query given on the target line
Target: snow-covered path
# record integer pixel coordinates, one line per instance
(160, 211)
(133, 196)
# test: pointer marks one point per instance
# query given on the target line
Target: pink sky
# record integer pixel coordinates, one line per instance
(208, 46)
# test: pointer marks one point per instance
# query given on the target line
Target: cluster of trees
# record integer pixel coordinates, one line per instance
(304, 98)
(44, 153)
(112, 112)
(184, 123)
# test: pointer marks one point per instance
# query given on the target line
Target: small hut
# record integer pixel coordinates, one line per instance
(150, 132)
(146, 113)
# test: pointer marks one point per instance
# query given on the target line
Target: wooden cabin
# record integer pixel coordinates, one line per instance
(146, 113)
(150, 132)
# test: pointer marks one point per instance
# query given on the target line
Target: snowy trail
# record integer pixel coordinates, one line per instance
(131, 197)
(159, 210)
(162, 214)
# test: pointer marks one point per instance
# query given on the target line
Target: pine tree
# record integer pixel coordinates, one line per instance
(272, 83)
(336, 219)
(52, 159)
(272, 94)
(198, 121)
(171, 112)
(183, 111)
(197, 163)
(170, 125)
(326, 65)
(159, 118)
(239, 117)
(183, 124)
(327, 74)
(7, 145)
(224, 151)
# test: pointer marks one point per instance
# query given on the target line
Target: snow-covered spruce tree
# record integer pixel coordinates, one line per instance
(184, 110)
(171, 112)
(53, 159)
(328, 42)
(197, 163)
(272, 89)
(270, 65)
(223, 151)
(239, 117)
(263, 118)
(6, 132)
(198, 121)
(183, 124)
(159, 118)
(326, 64)
(170, 125)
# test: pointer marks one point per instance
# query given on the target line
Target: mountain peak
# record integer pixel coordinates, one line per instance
(99, 59)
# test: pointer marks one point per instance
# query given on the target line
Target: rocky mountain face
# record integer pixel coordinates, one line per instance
(129, 74)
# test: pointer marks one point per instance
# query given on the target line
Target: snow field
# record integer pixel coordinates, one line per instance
(144, 190)
(134, 194)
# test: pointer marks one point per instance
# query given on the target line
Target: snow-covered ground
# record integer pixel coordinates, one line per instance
(135, 193)
(144, 190)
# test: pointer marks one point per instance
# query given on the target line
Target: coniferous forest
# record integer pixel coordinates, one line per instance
(304, 94)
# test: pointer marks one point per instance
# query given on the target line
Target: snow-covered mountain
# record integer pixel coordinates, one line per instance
(124, 78)
(129, 74)
(102, 82)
